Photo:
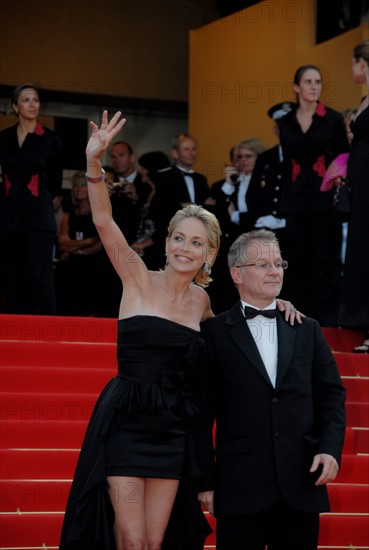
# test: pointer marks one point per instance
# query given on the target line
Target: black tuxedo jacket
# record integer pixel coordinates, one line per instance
(266, 437)
(229, 229)
(171, 193)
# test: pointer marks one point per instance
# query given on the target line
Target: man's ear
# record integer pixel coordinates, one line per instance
(236, 275)
(174, 152)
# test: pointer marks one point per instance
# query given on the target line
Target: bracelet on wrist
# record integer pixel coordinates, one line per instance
(99, 179)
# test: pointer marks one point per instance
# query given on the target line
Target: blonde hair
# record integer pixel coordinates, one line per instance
(254, 144)
(213, 229)
(78, 178)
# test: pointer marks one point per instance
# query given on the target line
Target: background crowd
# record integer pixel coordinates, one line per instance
(54, 261)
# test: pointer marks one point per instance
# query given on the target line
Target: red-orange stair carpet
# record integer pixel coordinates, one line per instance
(51, 372)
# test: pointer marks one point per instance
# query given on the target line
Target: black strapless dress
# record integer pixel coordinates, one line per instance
(141, 426)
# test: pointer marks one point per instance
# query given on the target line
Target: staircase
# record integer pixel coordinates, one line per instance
(51, 372)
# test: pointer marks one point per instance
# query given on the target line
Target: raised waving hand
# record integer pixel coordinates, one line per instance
(102, 137)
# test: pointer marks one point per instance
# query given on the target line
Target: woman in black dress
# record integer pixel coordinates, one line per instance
(354, 309)
(138, 433)
(31, 162)
(311, 137)
(138, 446)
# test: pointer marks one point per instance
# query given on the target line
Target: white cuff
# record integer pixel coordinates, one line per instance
(227, 188)
(235, 217)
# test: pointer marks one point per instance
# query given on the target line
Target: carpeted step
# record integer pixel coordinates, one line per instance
(336, 530)
(33, 495)
(348, 498)
(42, 530)
(58, 354)
(356, 440)
(38, 463)
(352, 364)
(354, 469)
(340, 339)
(357, 414)
(42, 434)
(47, 406)
(344, 530)
(361, 440)
(64, 380)
(45, 328)
(357, 388)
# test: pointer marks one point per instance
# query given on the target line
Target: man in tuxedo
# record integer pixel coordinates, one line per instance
(178, 186)
(278, 401)
(129, 193)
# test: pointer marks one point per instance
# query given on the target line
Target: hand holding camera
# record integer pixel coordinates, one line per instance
(231, 175)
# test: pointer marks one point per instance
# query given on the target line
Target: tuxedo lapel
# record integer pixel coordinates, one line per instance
(286, 339)
(241, 335)
(182, 191)
(199, 199)
(234, 196)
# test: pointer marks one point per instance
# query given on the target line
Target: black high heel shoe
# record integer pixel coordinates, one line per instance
(364, 347)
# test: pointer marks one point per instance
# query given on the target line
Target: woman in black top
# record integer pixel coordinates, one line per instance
(79, 267)
(31, 163)
(311, 137)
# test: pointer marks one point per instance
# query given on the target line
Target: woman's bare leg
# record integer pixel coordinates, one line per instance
(159, 499)
(142, 508)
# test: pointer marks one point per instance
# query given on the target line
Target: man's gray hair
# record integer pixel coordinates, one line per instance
(245, 248)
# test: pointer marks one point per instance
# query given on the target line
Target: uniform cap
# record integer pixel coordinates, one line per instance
(280, 109)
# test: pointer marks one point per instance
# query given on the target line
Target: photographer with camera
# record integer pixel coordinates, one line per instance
(231, 210)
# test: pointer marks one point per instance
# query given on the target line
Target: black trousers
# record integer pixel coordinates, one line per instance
(313, 245)
(280, 528)
(28, 272)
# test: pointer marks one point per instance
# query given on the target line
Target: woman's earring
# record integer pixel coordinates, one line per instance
(207, 268)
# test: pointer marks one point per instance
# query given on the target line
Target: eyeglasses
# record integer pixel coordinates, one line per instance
(265, 266)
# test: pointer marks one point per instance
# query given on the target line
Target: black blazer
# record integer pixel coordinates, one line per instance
(266, 437)
(171, 193)
(230, 230)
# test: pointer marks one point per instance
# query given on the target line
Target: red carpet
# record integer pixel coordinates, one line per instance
(51, 371)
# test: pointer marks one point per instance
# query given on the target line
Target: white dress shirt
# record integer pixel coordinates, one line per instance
(189, 182)
(264, 332)
(130, 178)
(228, 189)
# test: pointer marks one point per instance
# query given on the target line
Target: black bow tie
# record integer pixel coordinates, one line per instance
(251, 312)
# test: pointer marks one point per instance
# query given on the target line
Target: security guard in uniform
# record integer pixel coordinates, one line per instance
(266, 183)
